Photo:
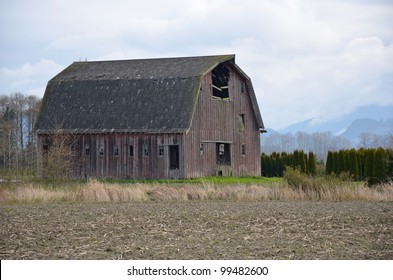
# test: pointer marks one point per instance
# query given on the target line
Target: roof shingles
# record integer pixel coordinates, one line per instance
(148, 95)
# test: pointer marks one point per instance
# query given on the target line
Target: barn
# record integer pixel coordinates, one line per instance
(182, 117)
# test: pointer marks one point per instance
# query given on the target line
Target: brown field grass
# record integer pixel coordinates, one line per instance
(96, 191)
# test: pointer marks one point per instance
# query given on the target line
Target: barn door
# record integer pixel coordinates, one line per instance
(174, 162)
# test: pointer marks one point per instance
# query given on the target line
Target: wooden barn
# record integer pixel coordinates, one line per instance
(180, 117)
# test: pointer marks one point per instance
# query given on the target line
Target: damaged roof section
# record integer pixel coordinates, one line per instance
(220, 78)
(136, 96)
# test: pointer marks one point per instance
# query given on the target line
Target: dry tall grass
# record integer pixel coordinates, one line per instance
(95, 191)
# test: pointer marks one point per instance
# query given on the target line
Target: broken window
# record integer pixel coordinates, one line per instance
(101, 150)
(220, 77)
(201, 150)
(87, 150)
(223, 153)
(145, 150)
(116, 150)
(243, 87)
(161, 151)
(130, 151)
(174, 161)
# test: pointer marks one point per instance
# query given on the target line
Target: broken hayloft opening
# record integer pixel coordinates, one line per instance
(223, 153)
(220, 78)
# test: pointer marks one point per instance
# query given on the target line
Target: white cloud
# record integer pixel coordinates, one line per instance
(29, 78)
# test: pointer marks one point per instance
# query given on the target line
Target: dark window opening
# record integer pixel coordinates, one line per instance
(161, 151)
(201, 150)
(130, 151)
(87, 150)
(223, 153)
(243, 150)
(174, 161)
(220, 77)
(116, 150)
(101, 150)
(243, 87)
(145, 150)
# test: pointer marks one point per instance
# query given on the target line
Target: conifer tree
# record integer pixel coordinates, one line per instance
(311, 164)
(336, 163)
(368, 165)
(380, 166)
(340, 161)
(353, 164)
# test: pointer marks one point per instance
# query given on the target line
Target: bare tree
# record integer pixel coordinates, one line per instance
(58, 156)
(18, 114)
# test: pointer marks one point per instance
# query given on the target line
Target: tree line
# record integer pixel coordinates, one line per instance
(18, 114)
(274, 165)
(373, 165)
(320, 142)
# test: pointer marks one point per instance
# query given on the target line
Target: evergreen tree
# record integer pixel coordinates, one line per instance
(336, 163)
(361, 159)
(268, 167)
(341, 160)
(368, 165)
(263, 165)
(390, 165)
(295, 159)
(380, 166)
(353, 164)
(311, 164)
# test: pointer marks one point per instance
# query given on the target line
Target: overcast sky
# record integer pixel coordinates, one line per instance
(307, 59)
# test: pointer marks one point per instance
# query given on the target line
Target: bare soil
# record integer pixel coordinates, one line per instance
(198, 230)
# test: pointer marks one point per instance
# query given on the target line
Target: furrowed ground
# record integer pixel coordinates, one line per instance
(198, 230)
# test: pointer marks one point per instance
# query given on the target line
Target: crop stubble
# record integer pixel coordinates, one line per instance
(198, 230)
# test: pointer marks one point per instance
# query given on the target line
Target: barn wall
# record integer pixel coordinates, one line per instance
(141, 164)
(219, 121)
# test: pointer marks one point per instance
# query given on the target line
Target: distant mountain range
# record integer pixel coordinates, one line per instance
(371, 119)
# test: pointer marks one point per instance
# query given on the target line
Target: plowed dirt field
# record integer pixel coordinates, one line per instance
(198, 230)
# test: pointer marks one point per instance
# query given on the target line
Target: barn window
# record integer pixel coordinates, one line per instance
(243, 87)
(130, 151)
(101, 150)
(87, 150)
(116, 151)
(145, 150)
(174, 160)
(223, 153)
(243, 150)
(161, 151)
(201, 149)
(220, 77)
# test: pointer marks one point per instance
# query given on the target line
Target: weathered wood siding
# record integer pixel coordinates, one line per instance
(219, 121)
(122, 164)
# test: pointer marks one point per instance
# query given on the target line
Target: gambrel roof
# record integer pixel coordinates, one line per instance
(141, 96)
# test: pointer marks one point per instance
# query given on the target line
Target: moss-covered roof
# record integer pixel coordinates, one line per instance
(144, 95)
